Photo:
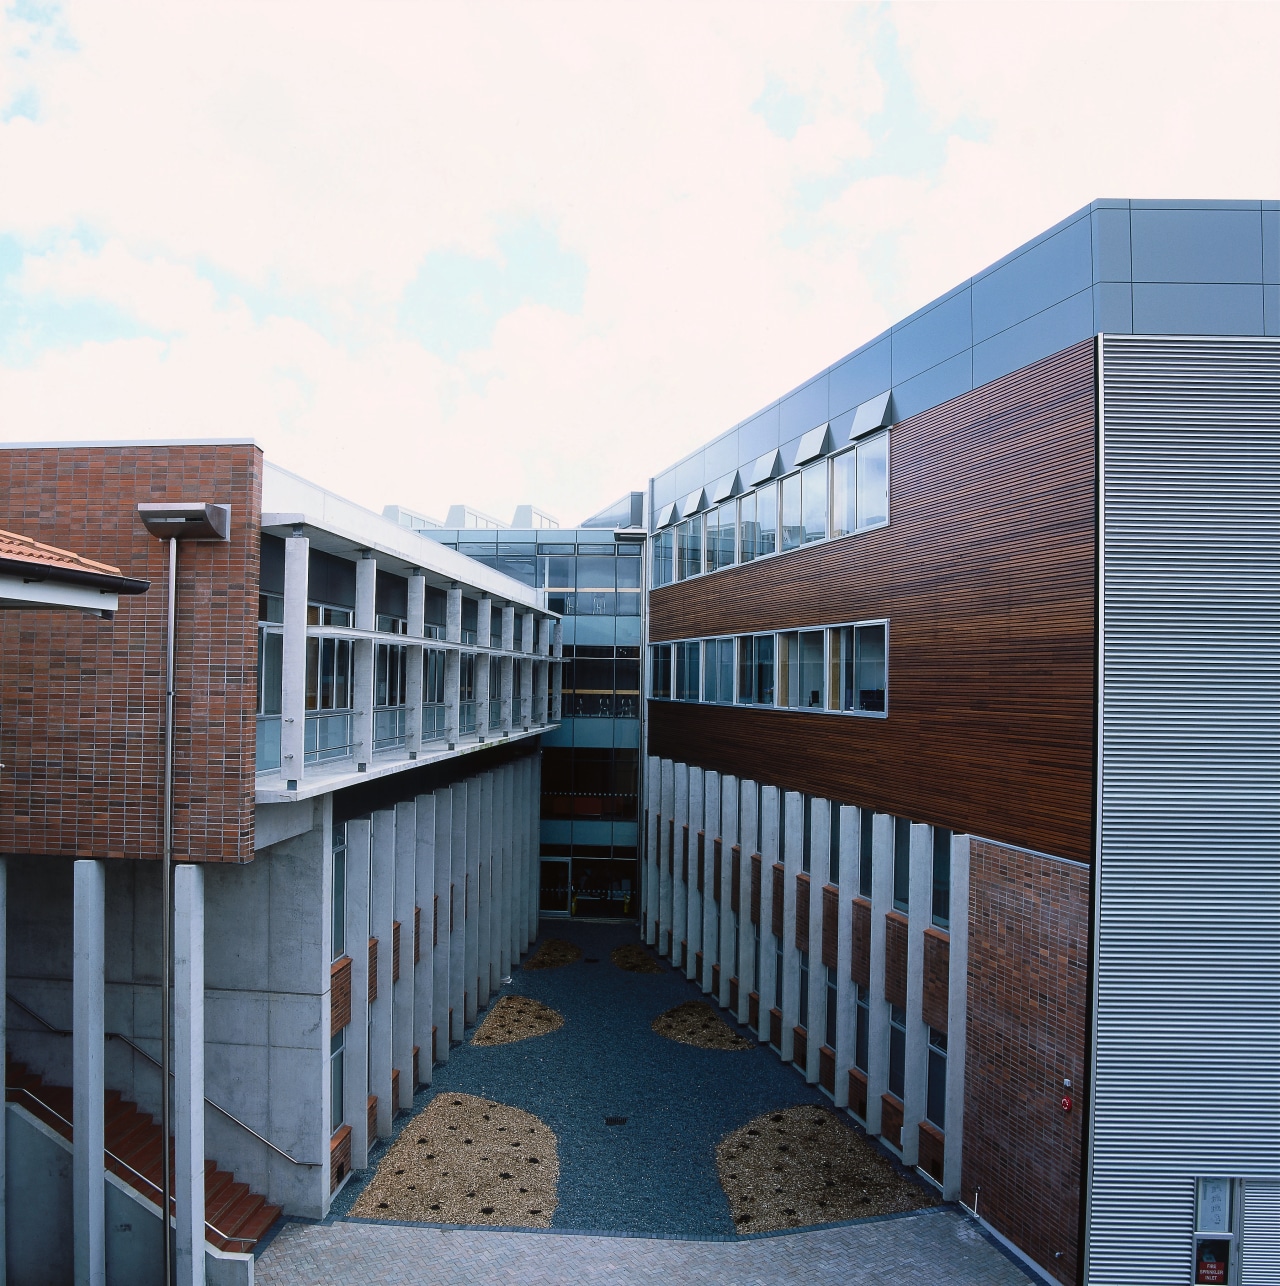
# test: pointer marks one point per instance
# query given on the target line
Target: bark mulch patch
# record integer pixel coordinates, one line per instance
(805, 1166)
(515, 1018)
(467, 1160)
(696, 1023)
(635, 959)
(553, 953)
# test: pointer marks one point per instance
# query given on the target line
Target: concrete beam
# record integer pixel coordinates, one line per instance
(88, 999)
(188, 1065)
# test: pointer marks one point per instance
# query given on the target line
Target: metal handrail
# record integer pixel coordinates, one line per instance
(137, 1049)
(142, 1178)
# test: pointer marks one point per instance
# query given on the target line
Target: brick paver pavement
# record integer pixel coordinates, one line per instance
(923, 1249)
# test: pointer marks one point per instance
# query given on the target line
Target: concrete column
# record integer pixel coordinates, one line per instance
(366, 590)
(728, 837)
(710, 908)
(819, 873)
(441, 948)
(382, 895)
(413, 658)
(406, 870)
(457, 910)
(471, 889)
(484, 622)
(510, 947)
(452, 678)
(355, 1080)
(881, 905)
(88, 996)
(667, 804)
(556, 699)
(792, 860)
(846, 818)
(770, 853)
(749, 839)
(920, 917)
(649, 889)
(679, 886)
(505, 693)
(957, 1014)
(485, 981)
(293, 692)
(417, 604)
(693, 920)
(482, 695)
(540, 691)
(531, 830)
(188, 1065)
(453, 614)
(424, 878)
(529, 639)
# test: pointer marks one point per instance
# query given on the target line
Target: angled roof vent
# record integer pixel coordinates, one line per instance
(815, 443)
(767, 466)
(726, 487)
(666, 515)
(694, 502)
(872, 414)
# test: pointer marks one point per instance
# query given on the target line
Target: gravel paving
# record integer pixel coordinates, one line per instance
(553, 953)
(696, 1023)
(634, 958)
(637, 1117)
(513, 1018)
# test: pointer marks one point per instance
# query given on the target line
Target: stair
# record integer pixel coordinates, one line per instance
(235, 1217)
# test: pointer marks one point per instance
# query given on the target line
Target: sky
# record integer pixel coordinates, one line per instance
(504, 253)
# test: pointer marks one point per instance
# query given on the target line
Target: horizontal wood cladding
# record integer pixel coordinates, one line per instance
(986, 573)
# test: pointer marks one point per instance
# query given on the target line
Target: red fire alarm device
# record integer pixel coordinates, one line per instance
(1066, 1102)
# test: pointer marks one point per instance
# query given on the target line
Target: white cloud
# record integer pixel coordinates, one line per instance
(317, 153)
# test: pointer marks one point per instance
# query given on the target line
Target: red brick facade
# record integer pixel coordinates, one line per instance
(860, 966)
(802, 913)
(340, 994)
(1025, 1034)
(827, 1068)
(830, 926)
(800, 1047)
(895, 960)
(937, 963)
(857, 1093)
(82, 699)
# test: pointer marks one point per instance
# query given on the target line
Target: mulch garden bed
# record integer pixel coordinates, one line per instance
(696, 1023)
(805, 1166)
(635, 959)
(552, 954)
(467, 1160)
(513, 1018)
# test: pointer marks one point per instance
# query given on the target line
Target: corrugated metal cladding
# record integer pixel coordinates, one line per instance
(1261, 1235)
(1187, 1046)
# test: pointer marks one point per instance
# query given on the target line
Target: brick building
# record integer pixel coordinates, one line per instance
(961, 660)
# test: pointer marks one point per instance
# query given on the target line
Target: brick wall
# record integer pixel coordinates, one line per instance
(858, 1092)
(830, 926)
(860, 967)
(933, 1146)
(82, 699)
(802, 912)
(1025, 1034)
(340, 994)
(373, 970)
(891, 1120)
(937, 963)
(779, 877)
(895, 960)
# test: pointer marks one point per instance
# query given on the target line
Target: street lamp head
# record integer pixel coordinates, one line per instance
(186, 519)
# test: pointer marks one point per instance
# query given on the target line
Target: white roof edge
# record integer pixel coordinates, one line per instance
(133, 442)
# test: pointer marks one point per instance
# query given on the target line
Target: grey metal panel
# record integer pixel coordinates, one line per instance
(1260, 1236)
(1186, 1075)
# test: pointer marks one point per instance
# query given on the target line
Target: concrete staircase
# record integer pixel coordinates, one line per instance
(235, 1217)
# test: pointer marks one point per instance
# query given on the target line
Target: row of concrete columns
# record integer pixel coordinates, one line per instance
(528, 688)
(687, 924)
(463, 861)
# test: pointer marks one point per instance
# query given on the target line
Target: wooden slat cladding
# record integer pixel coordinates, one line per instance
(827, 1068)
(986, 573)
(757, 863)
(860, 965)
(775, 1028)
(735, 879)
(895, 960)
(702, 865)
(753, 1010)
(799, 1047)
(779, 884)
(802, 912)
(373, 970)
(684, 859)
(830, 925)
(857, 1093)
(937, 968)
(417, 934)
(715, 871)
(395, 951)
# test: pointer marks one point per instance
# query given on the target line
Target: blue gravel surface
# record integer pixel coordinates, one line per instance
(657, 1173)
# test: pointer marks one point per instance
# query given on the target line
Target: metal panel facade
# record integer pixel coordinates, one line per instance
(1187, 1049)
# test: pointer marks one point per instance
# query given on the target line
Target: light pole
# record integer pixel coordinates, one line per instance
(173, 522)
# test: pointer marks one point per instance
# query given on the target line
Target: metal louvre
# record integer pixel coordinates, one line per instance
(1260, 1237)
(1186, 1076)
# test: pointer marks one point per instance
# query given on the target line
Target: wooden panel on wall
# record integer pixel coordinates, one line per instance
(779, 877)
(860, 967)
(735, 879)
(802, 912)
(756, 863)
(986, 573)
(830, 926)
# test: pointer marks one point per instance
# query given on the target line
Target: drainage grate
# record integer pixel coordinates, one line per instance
(615, 1120)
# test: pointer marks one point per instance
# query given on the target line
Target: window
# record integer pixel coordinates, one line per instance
(897, 1050)
(844, 494)
(689, 548)
(662, 570)
(803, 1019)
(713, 539)
(470, 620)
(323, 614)
(755, 669)
(814, 502)
(936, 1093)
(433, 709)
(801, 681)
(748, 528)
(806, 848)
(861, 1028)
(688, 656)
(865, 839)
(337, 1043)
(387, 624)
(390, 673)
(727, 538)
(833, 866)
(1215, 1230)
(858, 668)
(435, 612)
(660, 671)
(339, 926)
(873, 482)
(777, 973)
(517, 632)
(767, 520)
(941, 877)
(717, 670)
(833, 1008)
(901, 864)
(328, 674)
(792, 512)
(495, 627)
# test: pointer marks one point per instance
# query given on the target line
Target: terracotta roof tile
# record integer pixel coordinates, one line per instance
(24, 549)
